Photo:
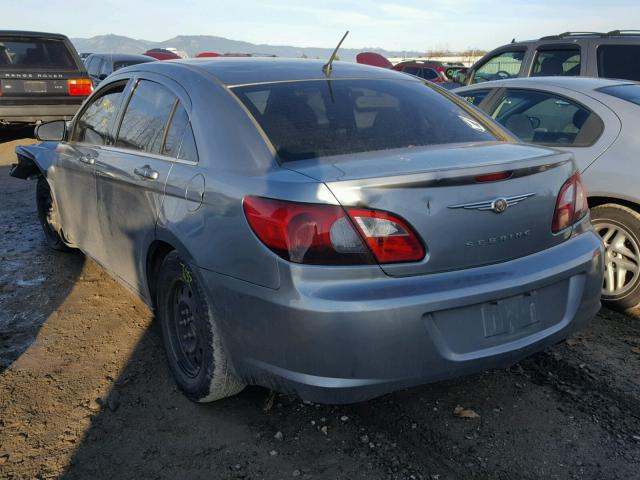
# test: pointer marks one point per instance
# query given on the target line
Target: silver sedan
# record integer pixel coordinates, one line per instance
(334, 233)
(596, 120)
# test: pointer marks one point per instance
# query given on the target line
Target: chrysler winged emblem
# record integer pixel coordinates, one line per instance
(496, 205)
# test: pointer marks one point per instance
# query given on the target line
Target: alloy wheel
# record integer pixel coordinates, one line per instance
(622, 259)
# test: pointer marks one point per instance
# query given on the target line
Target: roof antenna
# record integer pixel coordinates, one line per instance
(326, 68)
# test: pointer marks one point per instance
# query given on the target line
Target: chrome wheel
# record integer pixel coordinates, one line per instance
(622, 259)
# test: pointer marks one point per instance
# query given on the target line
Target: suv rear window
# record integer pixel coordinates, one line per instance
(20, 53)
(321, 118)
(630, 93)
(619, 61)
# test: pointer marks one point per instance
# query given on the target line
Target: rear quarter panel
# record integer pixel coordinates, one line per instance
(202, 212)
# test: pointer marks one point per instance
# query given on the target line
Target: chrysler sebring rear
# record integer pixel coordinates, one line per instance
(334, 237)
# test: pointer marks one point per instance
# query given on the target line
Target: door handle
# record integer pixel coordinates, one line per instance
(88, 159)
(146, 172)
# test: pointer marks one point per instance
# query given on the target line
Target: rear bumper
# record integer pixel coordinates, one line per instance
(35, 113)
(342, 340)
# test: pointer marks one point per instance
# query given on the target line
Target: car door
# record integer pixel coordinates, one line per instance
(75, 186)
(558, 118)
(131, 177)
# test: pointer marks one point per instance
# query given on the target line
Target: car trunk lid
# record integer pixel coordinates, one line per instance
(436, 190)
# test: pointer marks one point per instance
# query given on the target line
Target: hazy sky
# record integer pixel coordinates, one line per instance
(394, 25)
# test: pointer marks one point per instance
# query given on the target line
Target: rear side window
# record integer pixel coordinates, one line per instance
(334, 117)
(180, 142)
(146, 117)
(95, 124)
(501, 66)
(428, 74)
(547, 119)
(556, 62)
(619, 61)
(38, 54)
(630, 93)
(411, 70)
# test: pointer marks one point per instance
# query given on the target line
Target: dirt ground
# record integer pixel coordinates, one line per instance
(85, 393)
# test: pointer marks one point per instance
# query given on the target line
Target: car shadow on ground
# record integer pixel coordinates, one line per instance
(30, 273)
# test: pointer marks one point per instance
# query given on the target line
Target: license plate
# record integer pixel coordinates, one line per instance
(35, 87)
(509, 315)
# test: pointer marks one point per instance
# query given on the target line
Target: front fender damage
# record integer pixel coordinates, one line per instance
(30, 164)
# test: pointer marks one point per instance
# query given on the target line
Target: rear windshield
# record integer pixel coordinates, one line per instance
(18, 53)
(321, 118)
(630, 93)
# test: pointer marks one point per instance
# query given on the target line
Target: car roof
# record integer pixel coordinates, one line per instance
(24, 33)
(242, 70)
(570, 83)
(124, 56)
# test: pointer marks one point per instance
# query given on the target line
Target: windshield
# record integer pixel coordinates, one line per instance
(19, 53)
(321, 118)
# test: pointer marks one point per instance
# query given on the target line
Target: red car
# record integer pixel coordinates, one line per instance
(161, 54)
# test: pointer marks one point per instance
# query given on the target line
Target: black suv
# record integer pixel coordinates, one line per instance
(587, 54)
(41, 78)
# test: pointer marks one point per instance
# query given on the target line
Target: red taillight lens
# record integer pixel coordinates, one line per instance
(81, 87)
(390, 239)
(306, 232)
(571, 205)
(325, 235)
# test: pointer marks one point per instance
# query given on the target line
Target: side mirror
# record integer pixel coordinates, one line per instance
(51, 131)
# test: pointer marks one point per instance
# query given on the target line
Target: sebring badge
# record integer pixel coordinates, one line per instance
(496, 205)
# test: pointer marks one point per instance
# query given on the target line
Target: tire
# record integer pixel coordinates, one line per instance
(49, 218)
(619, 227)
(192, 342)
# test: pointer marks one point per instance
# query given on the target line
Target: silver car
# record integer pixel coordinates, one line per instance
(336, 234)
(596, 120)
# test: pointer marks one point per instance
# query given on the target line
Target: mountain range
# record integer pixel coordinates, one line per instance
(194, 44)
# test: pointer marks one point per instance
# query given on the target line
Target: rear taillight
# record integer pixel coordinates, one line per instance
(390, 239)
(325, 235)
(81, 87)
(571, 205)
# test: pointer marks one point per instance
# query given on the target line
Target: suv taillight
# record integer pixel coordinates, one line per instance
(81, 87)
(571, 205)
(326, 235)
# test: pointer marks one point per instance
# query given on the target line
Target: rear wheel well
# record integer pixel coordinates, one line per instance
(156, 254)
(597, 201)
